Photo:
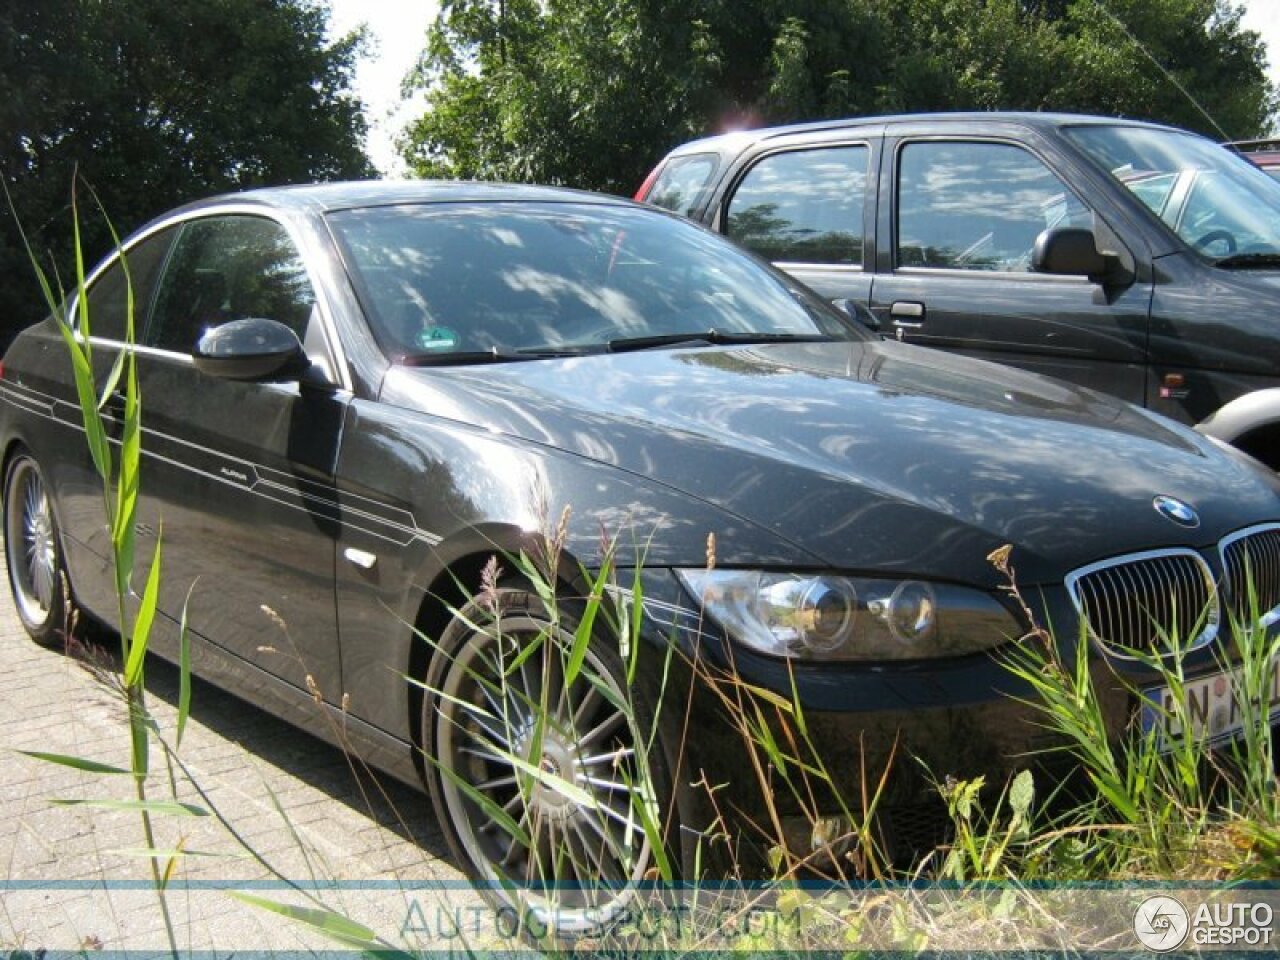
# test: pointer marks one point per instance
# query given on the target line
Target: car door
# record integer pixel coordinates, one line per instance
(240, 475)
(959, 217)
(806, 208)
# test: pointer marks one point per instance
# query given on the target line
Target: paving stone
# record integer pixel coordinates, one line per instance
(70, 886)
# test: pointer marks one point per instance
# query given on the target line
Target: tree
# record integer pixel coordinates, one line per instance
(156, 102)
(566, 92)
(590, 93)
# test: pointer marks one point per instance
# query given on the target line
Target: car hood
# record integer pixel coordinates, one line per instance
(871, 456)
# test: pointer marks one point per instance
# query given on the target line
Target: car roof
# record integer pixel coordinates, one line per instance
(740, 139)
(328, 197)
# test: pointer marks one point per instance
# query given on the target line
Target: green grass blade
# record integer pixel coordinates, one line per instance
(77, 763)
(164, 807)
(124, 530)
(82, 302)
(645, 808)
(485, 803)
(52, 300)
(113, 379)
(582, 635)
(142, 626)
(184, 669)
(333, 925)
(86, 392)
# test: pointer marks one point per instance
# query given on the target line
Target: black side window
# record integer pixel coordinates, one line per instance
(682, 183)
(977, 206)
(804, 206)
(229, 268)
(108, 297)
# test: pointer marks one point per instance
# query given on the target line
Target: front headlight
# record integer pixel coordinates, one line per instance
(821, 617)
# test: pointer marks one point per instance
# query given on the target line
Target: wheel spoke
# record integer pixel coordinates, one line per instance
(498, 711)
(490, 785)
(586, 707)
(613, 853)
(613, 757)
(611, 786)
(602, 729)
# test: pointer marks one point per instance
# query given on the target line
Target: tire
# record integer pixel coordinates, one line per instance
(33, 554)
(586, 741)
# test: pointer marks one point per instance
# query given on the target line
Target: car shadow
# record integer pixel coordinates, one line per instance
(386, 801)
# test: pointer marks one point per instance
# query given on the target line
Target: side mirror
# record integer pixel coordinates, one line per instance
(1073, 252)
(857, 313)
(251, 349)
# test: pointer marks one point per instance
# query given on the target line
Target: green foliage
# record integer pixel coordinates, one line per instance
(158, 102)
(591, 93)
(574, 92)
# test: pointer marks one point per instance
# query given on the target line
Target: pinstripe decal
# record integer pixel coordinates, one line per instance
(376, 519)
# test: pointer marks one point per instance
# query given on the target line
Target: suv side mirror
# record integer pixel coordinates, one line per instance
(251, 349)
(1073, 252)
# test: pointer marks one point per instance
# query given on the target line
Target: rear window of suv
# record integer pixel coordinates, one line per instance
(681, 184)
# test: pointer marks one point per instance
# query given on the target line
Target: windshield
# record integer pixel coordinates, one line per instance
(1219, 204)
(512, 280)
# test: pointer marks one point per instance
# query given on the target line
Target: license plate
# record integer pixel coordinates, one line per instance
(1212, 708)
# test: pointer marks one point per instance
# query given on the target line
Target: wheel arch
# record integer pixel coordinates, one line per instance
(455, 577)
(1250, 423)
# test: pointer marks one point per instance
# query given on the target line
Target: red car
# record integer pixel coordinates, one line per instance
(1263, 153)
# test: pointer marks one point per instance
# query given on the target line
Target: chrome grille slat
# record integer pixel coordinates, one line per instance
(1130, 602)
(1253, 553)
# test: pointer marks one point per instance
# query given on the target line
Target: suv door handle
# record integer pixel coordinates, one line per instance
(908, 314)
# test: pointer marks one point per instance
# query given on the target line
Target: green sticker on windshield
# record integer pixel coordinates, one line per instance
(436, 338)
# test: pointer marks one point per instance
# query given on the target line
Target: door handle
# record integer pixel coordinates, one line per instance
(908, 314)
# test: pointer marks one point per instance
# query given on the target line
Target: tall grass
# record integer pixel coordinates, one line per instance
(1138, 806)
(118, 465)
(121, 480)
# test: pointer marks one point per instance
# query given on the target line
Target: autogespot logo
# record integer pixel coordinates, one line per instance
(1161, 923)
(1171, 508)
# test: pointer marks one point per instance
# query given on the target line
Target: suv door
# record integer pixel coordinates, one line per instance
(240, 474)
(808, 209)
(958, 220)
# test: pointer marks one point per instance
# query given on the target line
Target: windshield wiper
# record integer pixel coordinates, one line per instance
(469, 357)
(712, 338)
(1237, 261)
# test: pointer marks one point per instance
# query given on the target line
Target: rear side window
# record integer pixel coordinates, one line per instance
(804, 206)
(229, 268)
(977, 206)
(109, 295)
(682, 183)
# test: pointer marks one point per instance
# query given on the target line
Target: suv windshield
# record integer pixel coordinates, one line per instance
(470, 282)
(1220, 205)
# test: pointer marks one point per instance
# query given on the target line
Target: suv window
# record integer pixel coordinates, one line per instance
(803, 206)
(109, 295)
(229, 268)
(682, 183)
(977, 206)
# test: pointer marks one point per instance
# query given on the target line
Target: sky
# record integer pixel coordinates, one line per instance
(398, 30)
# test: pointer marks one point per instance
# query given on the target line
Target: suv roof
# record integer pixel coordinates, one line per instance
(740, 138)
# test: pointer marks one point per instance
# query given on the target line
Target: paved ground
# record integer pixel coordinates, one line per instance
(71, 881)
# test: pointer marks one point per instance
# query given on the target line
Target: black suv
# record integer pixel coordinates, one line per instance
(1138, 259)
